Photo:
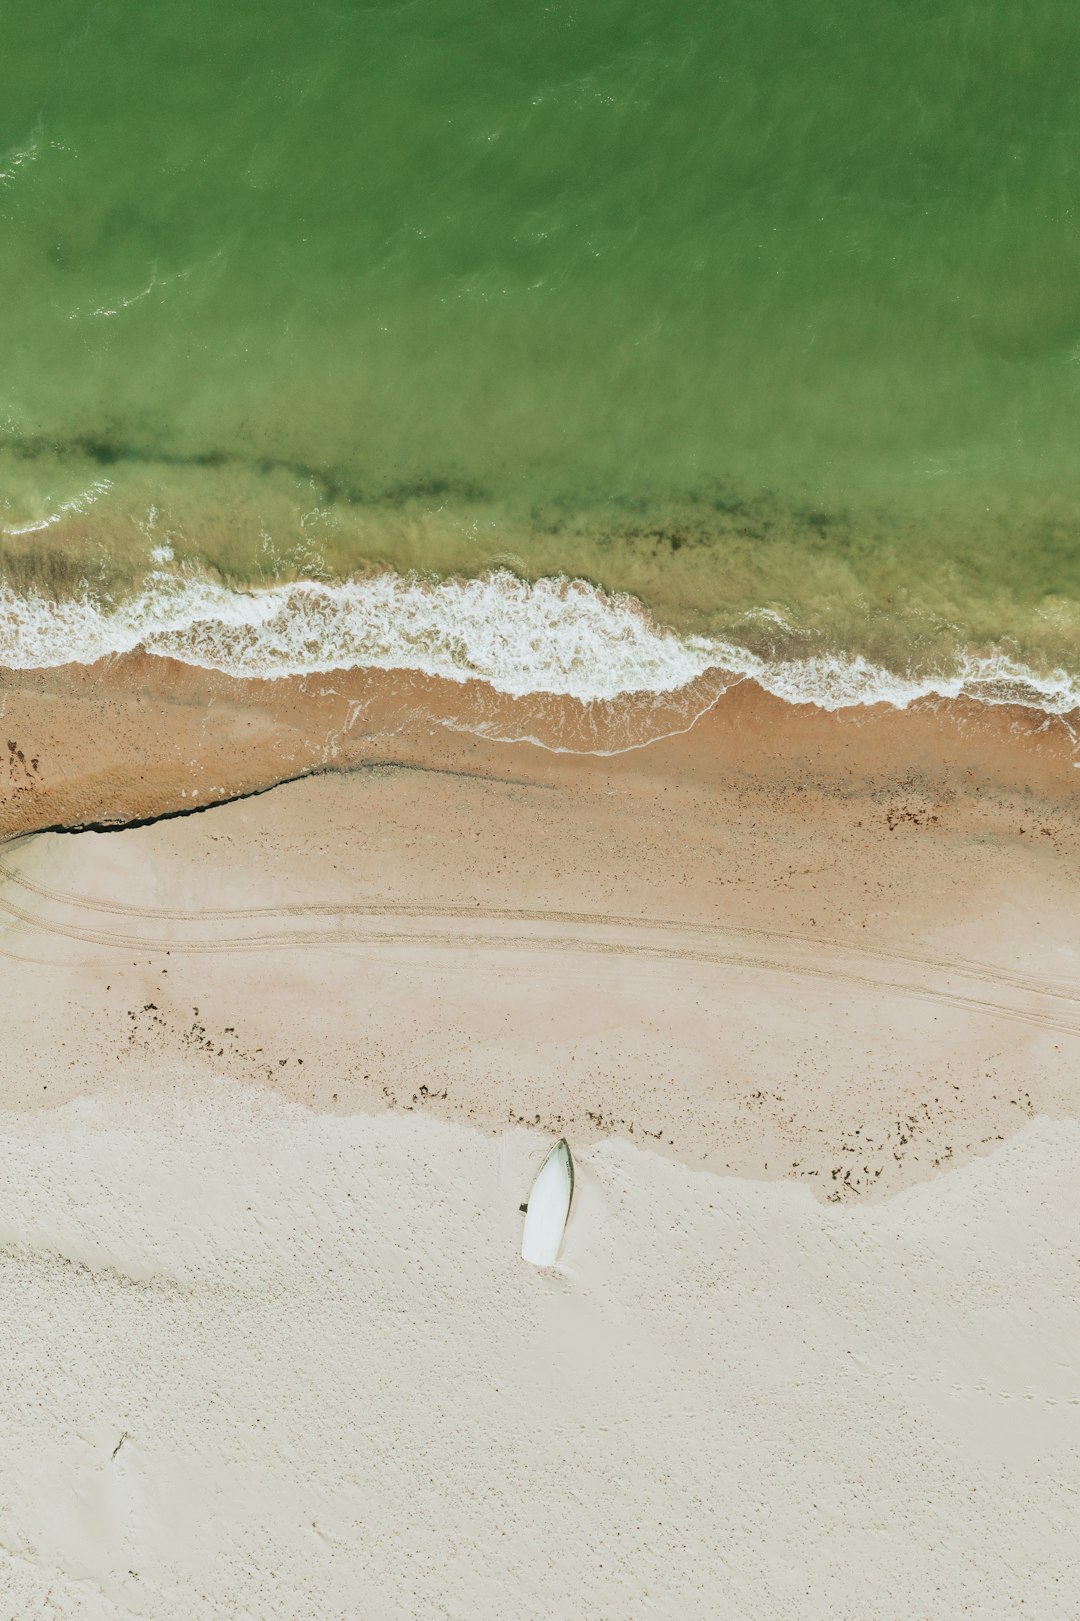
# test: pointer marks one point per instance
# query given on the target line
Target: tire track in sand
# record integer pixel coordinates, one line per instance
(1057, 986)
(554, 932)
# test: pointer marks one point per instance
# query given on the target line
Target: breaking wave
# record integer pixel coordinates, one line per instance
(559, 636)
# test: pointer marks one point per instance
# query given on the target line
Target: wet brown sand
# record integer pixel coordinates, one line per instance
(837, 948)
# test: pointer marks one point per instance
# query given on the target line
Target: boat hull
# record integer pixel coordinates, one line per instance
(548, 1207)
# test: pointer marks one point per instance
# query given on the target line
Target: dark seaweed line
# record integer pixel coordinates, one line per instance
(718, 508)
(332, 484)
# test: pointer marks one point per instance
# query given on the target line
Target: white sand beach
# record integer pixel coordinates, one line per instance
(275, 1080)
(264, 1363)
(748, 988)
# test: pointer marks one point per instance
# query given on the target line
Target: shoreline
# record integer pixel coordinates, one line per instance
(801, 988)
(833, 947)
(137, 736)
(552, 635)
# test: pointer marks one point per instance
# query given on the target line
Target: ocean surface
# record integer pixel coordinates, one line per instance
(582, 348)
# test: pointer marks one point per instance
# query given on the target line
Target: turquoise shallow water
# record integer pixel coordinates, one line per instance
(771, 310)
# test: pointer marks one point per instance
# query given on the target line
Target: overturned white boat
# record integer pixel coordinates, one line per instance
(548, 1207)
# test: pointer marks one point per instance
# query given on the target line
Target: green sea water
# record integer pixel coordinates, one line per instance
(763, 307)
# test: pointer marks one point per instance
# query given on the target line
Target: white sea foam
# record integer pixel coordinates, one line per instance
(556, 636)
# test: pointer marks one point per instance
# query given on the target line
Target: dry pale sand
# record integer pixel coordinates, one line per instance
(260, 1362)
(804, 993)
(779, 995)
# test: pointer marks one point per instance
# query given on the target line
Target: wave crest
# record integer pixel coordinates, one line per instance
(559, 636)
